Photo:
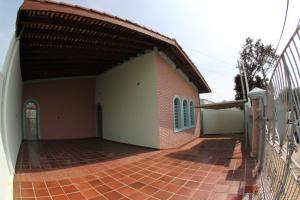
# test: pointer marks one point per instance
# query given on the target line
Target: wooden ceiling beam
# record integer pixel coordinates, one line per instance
(36, 49)
(70, 57)
(83, 33)
(72, 42)
(33, 64)
(90, 25)
(58, 58)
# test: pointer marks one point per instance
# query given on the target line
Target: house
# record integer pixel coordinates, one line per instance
(71, 72)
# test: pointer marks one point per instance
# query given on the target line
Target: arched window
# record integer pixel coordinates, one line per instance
(177, 113)
(192, 113)
(185, 113)
(31, 123)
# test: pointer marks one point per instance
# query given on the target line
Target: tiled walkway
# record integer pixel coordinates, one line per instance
(208, 168)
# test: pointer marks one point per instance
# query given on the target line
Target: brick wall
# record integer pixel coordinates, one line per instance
(171, 83)
(67, 107)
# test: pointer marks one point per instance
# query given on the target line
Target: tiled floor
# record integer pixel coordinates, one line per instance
(209, 168)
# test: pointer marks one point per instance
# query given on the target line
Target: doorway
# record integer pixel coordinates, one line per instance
(31, 120)
(99, 121)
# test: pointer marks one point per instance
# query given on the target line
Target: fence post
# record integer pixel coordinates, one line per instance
(257, 97)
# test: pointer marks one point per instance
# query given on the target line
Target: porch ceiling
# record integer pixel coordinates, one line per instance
(58, 39)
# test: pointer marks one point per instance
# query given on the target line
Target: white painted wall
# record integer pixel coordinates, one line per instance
(222, 121)
(10, 123)
(6, 179)
(127, 94)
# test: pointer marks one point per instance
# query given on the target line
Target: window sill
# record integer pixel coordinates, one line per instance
(183, 129)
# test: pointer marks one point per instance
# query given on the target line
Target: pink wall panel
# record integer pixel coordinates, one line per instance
(67, 107)
(169, 84)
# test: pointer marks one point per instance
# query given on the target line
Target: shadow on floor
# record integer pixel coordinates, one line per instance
(45, 155)
(226, 151)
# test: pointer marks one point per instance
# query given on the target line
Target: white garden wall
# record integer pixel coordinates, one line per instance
(222, 121)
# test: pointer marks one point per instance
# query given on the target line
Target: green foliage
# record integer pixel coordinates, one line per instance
(258, 60)
(238, 87)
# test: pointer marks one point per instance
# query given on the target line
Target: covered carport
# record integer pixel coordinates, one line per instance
(51, 86)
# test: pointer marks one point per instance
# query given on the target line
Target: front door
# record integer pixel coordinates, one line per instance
(99, 121)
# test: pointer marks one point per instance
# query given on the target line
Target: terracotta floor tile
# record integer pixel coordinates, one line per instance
(95, 183)
(166, 178)
(113, 195)
(205, 186)
(170, 187)
(184, 191)
(76, 196)
(41, 192)
(82, 186)
(69, 188)
(107, 179)
(178, 181)
(39, 184)
(192, 184)
(60, 197)
(137, 185)
(201, 195)
(138, 196)
(136, 176)
(197, 178)
(43, 198)
(65, 182)
(155, 175)
(126, 191)
(178, 197)
(162, 194)
(115, 184)
(127, 180)
(117, 175)
(218, 196)
(52, 184)
(27, 193)
(56, 191)
(147, 180)
(221, 188)
(103, 189)
(77, 180)
(158, 184)
(98, 198)
(149, 190)
(89, 193)
(91, 168)
(26, 185)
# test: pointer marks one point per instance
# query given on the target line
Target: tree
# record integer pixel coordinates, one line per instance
(238, 87)
(258, 60)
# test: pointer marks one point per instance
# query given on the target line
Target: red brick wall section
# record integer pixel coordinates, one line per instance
(67, 107)
(169, 84)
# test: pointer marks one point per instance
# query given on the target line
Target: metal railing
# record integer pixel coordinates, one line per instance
(279, 151)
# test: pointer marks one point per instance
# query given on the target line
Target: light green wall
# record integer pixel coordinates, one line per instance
(222, 121)
(127, 94)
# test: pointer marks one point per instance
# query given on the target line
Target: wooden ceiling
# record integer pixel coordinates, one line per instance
(59, 40)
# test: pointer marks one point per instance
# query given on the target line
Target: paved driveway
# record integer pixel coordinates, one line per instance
(213, 167)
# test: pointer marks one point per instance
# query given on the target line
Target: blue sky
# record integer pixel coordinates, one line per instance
(211, 32)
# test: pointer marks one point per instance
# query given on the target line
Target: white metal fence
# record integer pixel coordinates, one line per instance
(279, 151)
